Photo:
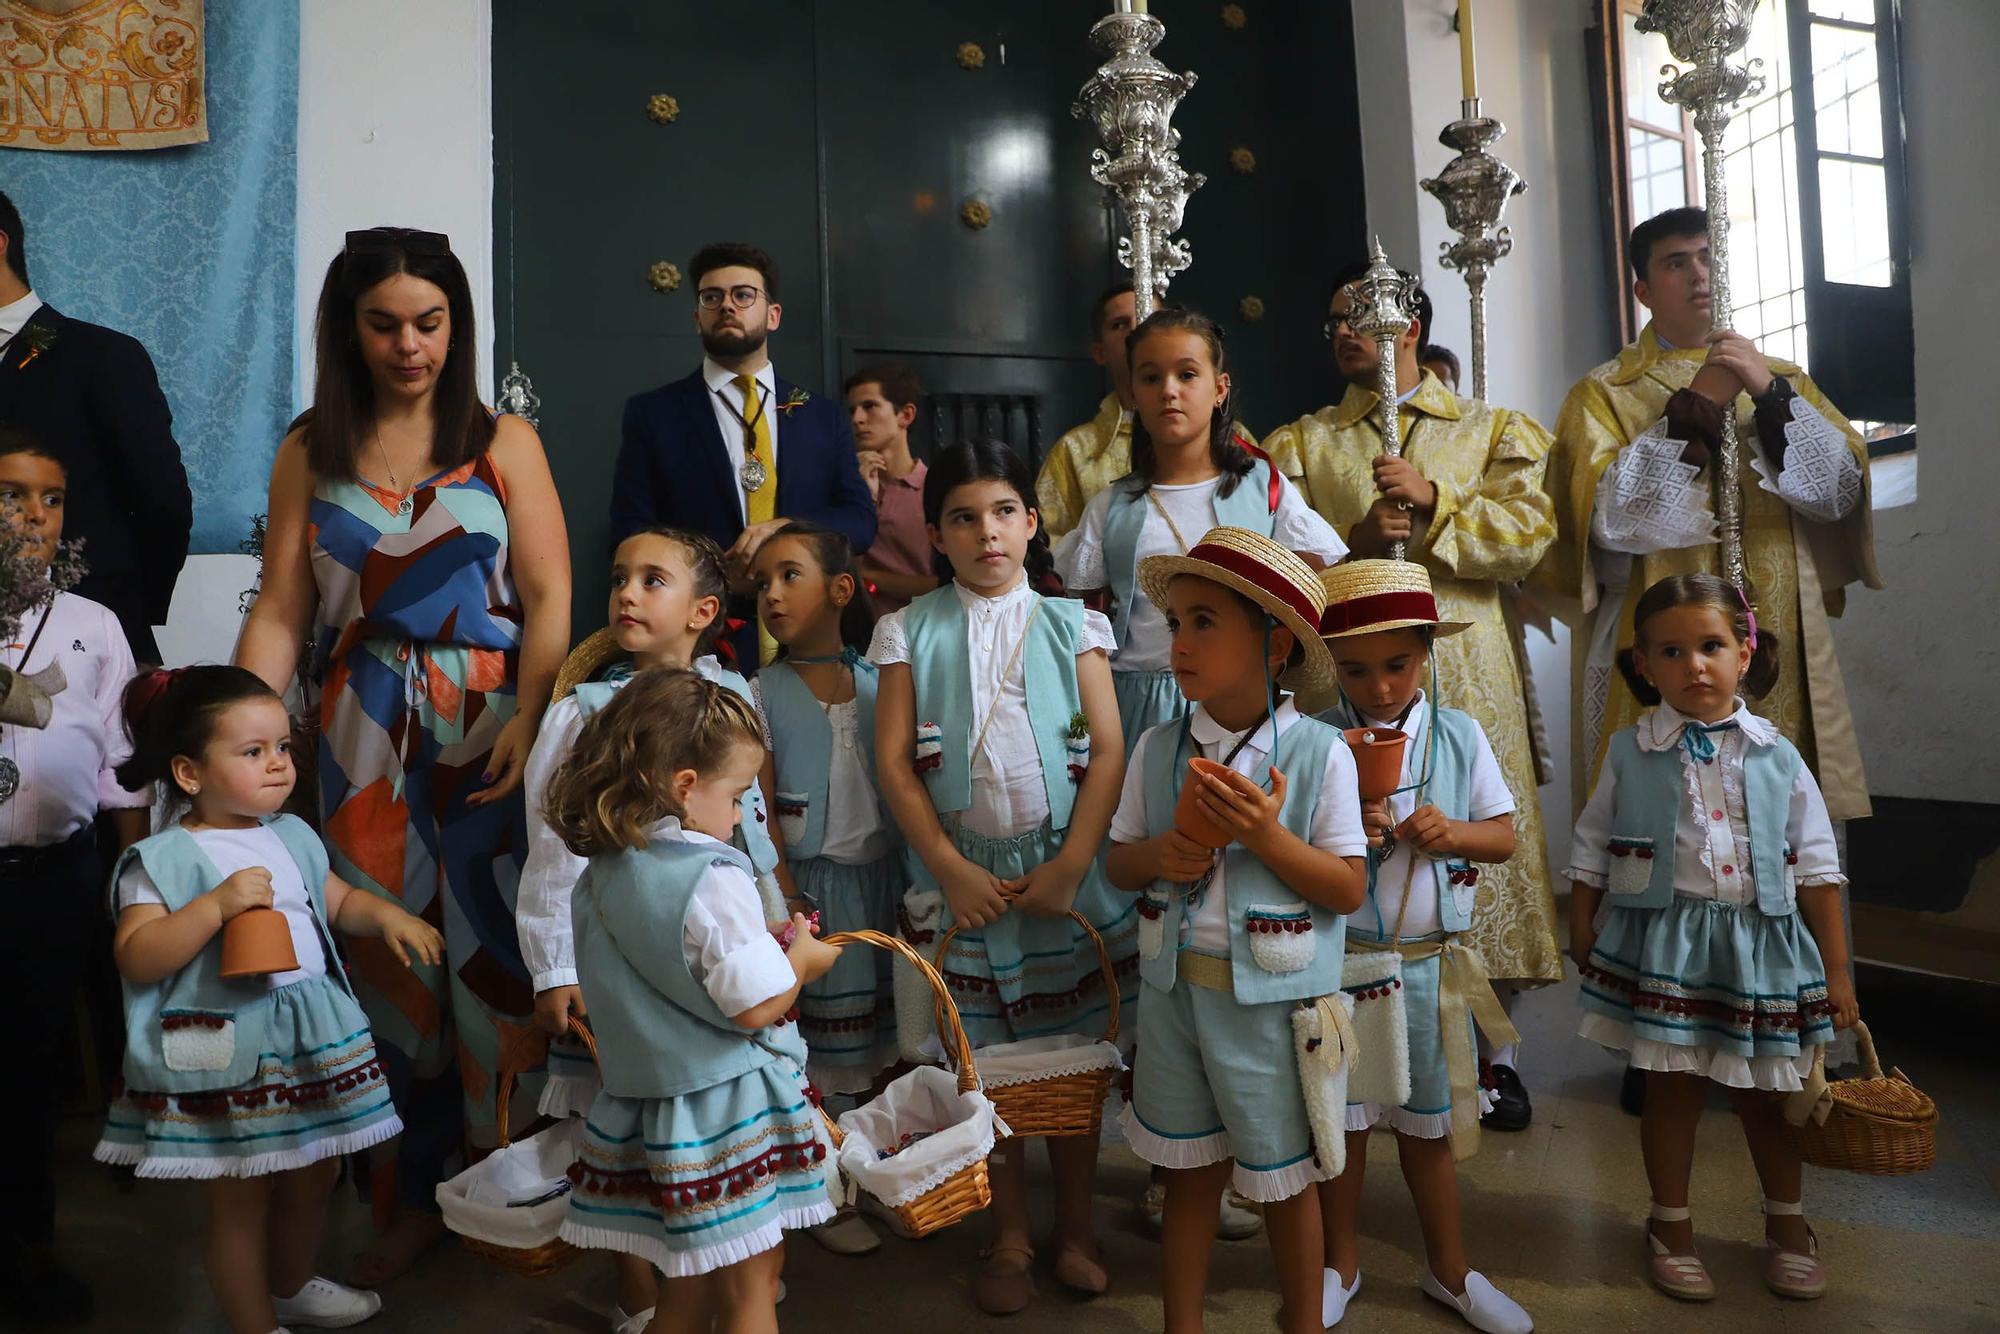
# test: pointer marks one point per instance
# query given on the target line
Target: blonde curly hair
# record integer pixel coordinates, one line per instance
(616, 783)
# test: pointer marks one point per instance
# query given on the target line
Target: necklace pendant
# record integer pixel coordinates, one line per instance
(10, 779)
(753, 474)
(404, 506)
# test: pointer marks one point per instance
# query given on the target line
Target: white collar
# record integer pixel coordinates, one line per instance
(1208, 732)
(1411, 392)
(720, 377)
(1419, 712)
(670, 830)
(1661, 729)
(14, 316)
(969, 599)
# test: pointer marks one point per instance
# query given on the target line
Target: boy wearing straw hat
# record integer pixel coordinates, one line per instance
(1240, 826)
(1450, 809)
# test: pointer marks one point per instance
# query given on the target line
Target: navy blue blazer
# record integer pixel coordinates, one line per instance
(673, 469)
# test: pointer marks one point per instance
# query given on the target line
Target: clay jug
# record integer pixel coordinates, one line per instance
(257, 941)
(1378, 759)
(1188, 817)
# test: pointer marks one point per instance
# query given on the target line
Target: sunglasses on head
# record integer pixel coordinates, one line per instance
(393, 240)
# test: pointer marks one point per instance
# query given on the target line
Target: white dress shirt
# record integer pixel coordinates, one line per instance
(66, 767)
(233, 850)
(1712, 833)
(727, 943)
(725, 398)
(1009, 794)
(1336, 823)
(1296, 527)
(14, 316)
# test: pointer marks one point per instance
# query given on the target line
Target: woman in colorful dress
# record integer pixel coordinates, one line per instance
(427, 534)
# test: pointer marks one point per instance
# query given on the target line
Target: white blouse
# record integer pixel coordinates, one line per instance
(233, 850)
(1009, 794)
(854, 832)
(1712, 834)
(1296, 527)
(727, 943)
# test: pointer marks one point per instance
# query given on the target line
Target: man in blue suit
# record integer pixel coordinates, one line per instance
(734, 451)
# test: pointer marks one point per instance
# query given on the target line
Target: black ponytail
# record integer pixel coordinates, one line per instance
(835, 555)
(985, 460)
(170, 713)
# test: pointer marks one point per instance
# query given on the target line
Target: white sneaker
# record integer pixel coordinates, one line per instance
(1333, 1298)
(630, 1324)
(1239, 1216)
(1483, 1306)
(324, 1304)
(780, 1301)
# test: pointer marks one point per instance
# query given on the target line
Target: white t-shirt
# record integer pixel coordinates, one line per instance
(1487, 796)
(1336, 823)
(233, 850)
(1009, 794)
(1296, 527)
(853, 830)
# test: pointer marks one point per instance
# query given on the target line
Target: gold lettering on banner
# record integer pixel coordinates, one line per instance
(101, 75)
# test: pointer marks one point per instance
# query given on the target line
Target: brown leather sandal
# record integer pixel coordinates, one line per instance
(1004, 1284)
(1079, 1270)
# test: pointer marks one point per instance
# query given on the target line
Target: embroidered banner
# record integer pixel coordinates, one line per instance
(101, 75)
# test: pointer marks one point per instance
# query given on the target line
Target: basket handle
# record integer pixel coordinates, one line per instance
(1871, 1064)
(524, 1053)
(1103, 964)
(950, 1029)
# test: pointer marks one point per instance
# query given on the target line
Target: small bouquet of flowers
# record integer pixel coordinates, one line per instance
(1076, 742)
(27, 585)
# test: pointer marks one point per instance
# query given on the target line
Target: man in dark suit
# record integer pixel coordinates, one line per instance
(92, 394)
(733, 451)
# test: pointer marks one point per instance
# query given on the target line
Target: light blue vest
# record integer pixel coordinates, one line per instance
(754, 833)
(1248, 506)
(941, 673)
(659, 1035)
(1449, 789)
(182, 873)
(802, 739)
(1255, 895)
(1652, 796)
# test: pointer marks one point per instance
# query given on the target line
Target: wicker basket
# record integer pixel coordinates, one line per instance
(1880, 1124)
(1059, 1105)
(598, 650)
(545, 1259)
(966, 1191)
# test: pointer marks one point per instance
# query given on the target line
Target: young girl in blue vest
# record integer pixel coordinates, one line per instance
(998, 752)
(253, 1085)
(1191, 471)
(1722, 955)
(667, 591)
(1232, 945)
(703, 1146)
(1451, 810)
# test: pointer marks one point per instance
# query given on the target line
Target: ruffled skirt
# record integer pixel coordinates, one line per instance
(848, 1016)
(1145, 699)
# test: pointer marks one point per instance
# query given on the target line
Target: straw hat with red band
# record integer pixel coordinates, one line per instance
(1364, 596)
(1263, 571)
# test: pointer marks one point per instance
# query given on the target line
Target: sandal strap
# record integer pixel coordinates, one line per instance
(1670, 1213)
(1780, 1209)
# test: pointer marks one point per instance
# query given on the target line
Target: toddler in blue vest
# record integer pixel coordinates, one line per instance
(1450, 810)
(999, 754)
(667, 592)
(254, 1085)
(703, 1147)
(1191, 471)
(1721, 957)
(1231, 943)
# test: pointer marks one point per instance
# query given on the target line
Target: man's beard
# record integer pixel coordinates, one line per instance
(733, 343)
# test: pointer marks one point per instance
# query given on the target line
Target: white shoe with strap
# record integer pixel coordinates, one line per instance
(1683, 1276)
(1800, 1275)
(1335, 1295)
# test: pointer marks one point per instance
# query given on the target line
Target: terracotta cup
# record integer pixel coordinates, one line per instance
(257, 941)
(1378, 759)
(1188, 817)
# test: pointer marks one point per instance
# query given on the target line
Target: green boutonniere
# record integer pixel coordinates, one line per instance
(792, 400)
(40, 338)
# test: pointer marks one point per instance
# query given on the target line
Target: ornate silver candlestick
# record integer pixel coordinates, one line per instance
(1384, 301)
(1707, 34)
(1474, 188)
(1131, 100)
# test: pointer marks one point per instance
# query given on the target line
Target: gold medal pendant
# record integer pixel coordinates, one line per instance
(753, 474)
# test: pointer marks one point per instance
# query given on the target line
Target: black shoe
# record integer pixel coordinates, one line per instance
(1632, 1092)
(1511, 1108)
(42, 1294)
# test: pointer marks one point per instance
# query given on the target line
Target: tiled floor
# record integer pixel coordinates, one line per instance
(1553, 1215)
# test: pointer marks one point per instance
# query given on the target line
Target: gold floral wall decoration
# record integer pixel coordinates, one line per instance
(663, 108)
(664, 277)
(975, 214)
(971, 55)
(1233, 17)
(1243, 160)
(1251, 308)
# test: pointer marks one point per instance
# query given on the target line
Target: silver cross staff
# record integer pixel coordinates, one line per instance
(1384, 300)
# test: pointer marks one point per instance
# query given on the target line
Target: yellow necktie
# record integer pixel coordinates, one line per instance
(760, 505)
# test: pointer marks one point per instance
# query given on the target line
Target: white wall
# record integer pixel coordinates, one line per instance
(1548, 316)
(395, 127)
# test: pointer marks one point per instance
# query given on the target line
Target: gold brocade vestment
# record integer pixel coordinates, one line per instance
(1798, 569)
(1490, 526)
(1083, 462)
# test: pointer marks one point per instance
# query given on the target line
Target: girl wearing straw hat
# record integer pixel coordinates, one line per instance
(1231, 945)
(1450, 810)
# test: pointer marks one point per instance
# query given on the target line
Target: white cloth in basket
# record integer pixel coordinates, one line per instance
(491, 1200)
(1057, 1054)
(957, 1130)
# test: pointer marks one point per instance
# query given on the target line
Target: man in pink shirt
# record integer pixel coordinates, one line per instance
(881, 404)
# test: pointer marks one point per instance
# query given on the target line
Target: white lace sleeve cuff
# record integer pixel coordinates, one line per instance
(1082, 560)
(1821, 478)
(1595, 879)
(890, 644)
(1097, 632)
(1649, 500)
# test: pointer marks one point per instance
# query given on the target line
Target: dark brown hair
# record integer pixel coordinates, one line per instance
(711, 575)
(17, 237)
(616, 783)
(897, 383)
(835, 555)
(343, 410)
(169, 713)
(984, 460)
(1689, 220)
(18, 439)
(1717, 594)
(734, 254)
(1102, 306)
(1225, 451)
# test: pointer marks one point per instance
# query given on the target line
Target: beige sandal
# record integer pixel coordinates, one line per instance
(1681, 1276)
(1800, 1275)
(1004, 1286)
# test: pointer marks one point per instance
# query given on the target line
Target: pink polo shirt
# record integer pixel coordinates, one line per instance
(900, 543)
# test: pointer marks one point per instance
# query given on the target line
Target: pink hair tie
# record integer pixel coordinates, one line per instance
(1750, 615)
